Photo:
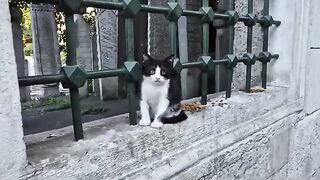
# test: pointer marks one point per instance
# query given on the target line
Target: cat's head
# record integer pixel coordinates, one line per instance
(158, 71)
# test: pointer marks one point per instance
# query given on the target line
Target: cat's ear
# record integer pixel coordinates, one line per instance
(170, 58)
(145, 58)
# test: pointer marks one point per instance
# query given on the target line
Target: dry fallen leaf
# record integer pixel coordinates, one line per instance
(192, 107)
(256, 90)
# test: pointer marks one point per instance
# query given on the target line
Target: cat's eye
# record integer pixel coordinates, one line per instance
(163, 72)
(152, 72)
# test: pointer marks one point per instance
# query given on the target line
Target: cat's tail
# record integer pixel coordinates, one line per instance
(174, 119)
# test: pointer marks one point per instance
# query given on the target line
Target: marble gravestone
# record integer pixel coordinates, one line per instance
(45, 44)
(107, 47)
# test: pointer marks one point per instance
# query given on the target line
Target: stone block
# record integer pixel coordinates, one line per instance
(45, 41)
(107, 47)
(278, 148)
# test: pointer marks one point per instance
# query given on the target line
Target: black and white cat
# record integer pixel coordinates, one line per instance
(160, 93)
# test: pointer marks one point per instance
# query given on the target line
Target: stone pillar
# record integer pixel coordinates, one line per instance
(16, 17)
(30, 67)
(190, 42)
(240, 44)
(12, 151)
(84, 49)
(221, 48)
(158, 32)
(107, 42)
(183, 50)
(95, 64)
(45, 43)
(194, 30)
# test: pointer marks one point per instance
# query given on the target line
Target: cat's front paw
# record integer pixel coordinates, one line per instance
(144, 122)
(156, 124)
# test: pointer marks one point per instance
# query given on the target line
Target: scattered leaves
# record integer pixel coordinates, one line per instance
(218, 102)
(193, 107)
(255, 90)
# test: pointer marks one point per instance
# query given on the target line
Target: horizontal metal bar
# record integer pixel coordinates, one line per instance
(102, 4)
(105, 73)
(275, 56)
(55, 78)
(221, 61)
(145, 8)
(55, 2)
(274, 22)
(221, 16)
(154, 9)
(243, 18)
(192, 64)
(277, 23)
(242, 59)
(192, 13)
(45, 79)
(165, 10)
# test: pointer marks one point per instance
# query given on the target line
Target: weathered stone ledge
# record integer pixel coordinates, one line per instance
(112, 149)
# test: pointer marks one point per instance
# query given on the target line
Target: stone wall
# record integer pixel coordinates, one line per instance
(271, 135)
(114, 150)
(190, 42)
(107, 47)
(240, 44)
(16, 18)
(253, 136)
(46, 45)
(12, 151)
(158, 32)
(194, 35)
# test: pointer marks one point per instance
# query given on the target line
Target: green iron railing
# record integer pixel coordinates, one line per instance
(73, 77)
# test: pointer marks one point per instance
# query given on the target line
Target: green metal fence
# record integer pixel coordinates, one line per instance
(73, 77)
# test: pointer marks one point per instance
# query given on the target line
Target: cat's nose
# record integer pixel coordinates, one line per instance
(157, 78)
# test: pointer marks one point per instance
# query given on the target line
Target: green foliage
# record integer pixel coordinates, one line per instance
(90, 85)
(28, 49)
(61, 27)
(89, 16)
(63, 57)
(27, 30)
(19, 4)
(26, 26)
(61, 102)
(52, 101)
(94, 109)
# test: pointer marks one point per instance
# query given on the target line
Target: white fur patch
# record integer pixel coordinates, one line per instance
(154, 97)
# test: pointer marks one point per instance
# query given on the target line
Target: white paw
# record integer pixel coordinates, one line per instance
(144, 122)
(156, 124)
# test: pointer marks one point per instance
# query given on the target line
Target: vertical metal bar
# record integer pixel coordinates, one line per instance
(173, 29)
(230, 51)
(205, 52)
(265, 45)
(229, 84)
(74, 92)
(249, 49)
(131, 88)
(173, 37)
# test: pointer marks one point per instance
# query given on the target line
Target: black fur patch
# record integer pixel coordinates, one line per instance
(174, 93)
(149, 64)
(175, 119)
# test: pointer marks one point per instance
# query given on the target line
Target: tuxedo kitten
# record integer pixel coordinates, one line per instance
(160, 93)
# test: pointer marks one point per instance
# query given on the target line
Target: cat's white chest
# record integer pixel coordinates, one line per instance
(153, 93)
